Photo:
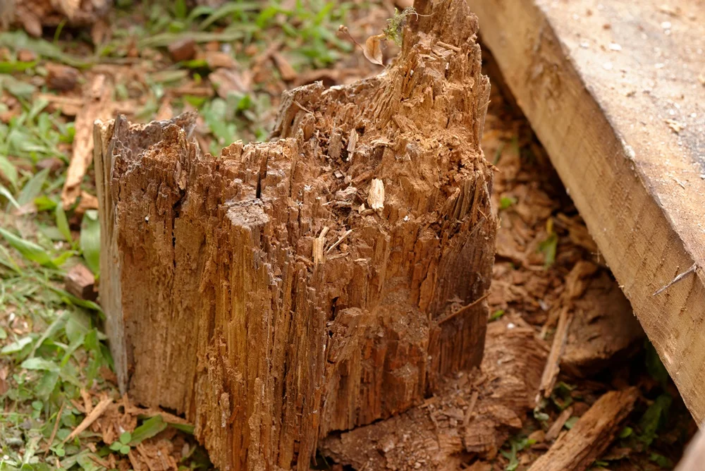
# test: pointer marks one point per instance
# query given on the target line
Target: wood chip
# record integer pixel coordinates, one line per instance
(87, 202)
(220, 60)
(68, 106)
(80, 282)
(226, 81)
(675, 126)
(182, 49)
(151, 412)
(318, 244)
(87, 401)
(286, 71)
(550, 372)
(352, 143)
(61, 77)
(375, 196)
(557, 426)
(134, 461)
(591, 435)
(337, 243)
(90, 418)
(96, 105)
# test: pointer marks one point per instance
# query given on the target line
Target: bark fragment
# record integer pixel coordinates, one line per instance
(243, 293)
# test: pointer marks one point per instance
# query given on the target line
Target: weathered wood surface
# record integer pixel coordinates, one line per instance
(317, 282)
(603, 329)
(578, 449)
(616, 93)
(694, 455)
(472, 413)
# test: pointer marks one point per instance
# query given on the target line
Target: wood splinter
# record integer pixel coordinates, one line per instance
(591, 434)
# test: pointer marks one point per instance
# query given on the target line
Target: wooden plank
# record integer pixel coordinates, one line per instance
(615, 92)
(694, 455)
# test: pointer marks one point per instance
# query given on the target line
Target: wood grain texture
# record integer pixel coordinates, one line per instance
(320, 281)
(578, 449)
(471, 413)
(614, 90)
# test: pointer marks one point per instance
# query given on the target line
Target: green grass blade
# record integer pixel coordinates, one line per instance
(90, 240)
(9, 171)
(164, 39)
(62, 223)
(19, 40)
(228, 9)
(148, 429)
(29, 250)
(33, 187)
(8, 261)
(52, 330)
(6, 193)
(39, 364)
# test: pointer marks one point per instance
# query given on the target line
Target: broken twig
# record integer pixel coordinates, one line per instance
(55, 429)
(337, 243)
(90, 418)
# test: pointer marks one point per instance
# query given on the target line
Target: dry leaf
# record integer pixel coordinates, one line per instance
(217, 60)
(373, 49)
(226, 81)
(286, 71)
(30, 22)
(100, 31)
(70, 8)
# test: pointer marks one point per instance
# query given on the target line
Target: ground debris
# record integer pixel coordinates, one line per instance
(472, 413)
(591, 435)
(61, 77)
(33, 14)
(603, 328)
(96, 104)
(91, 417)
(80, 282)
(183, 49)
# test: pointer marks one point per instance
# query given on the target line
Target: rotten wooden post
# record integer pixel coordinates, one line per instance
(317, 282)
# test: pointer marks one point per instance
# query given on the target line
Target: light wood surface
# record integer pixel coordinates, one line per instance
(616, 93)
(578, 449)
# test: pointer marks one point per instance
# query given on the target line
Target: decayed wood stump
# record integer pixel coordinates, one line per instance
(317, 282)
(471, 413)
